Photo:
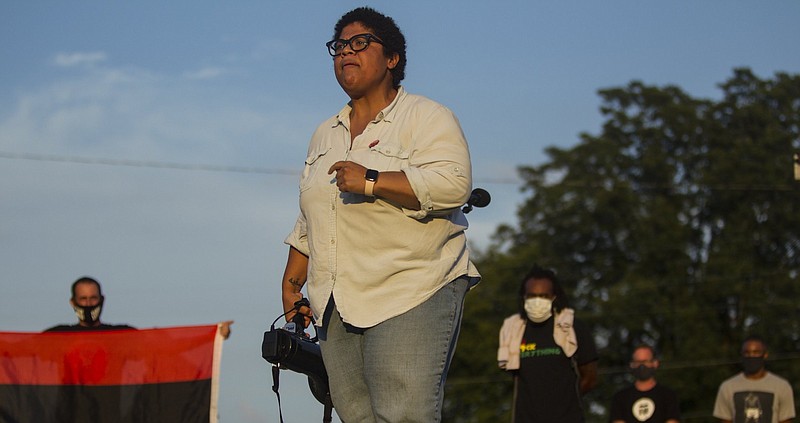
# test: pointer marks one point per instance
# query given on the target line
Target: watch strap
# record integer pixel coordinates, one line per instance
(368, 187)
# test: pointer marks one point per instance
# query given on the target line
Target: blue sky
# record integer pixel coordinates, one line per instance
(242, 85)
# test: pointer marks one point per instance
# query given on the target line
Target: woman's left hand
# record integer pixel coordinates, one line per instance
(350, 176)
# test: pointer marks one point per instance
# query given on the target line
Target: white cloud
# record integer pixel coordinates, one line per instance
(205, 73)
(79, 59)
(132, 113)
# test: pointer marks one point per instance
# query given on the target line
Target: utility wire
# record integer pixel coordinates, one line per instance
(183, 166)
(610, 370)
(287, 172)
(145, 163)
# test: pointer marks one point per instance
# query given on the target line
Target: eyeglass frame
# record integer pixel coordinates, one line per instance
(348, 42)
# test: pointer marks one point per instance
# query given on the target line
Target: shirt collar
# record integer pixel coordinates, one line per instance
(343, 117)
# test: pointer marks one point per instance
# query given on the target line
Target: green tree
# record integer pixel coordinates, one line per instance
(678, 225)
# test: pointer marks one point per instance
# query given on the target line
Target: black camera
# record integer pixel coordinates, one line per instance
(290, 348)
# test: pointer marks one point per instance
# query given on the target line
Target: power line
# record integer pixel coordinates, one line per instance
(288, 172)
(184, 166)
(145, 163)
(622, 369)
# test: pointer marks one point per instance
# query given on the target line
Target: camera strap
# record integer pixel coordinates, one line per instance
(276, 375)
(327, 416)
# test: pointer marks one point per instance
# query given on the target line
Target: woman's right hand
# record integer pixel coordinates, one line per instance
(294, 277)
(289, 301)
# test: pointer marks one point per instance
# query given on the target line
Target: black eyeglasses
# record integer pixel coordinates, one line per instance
(357, 43)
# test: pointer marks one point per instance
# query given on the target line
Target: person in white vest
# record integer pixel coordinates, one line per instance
(551, 356)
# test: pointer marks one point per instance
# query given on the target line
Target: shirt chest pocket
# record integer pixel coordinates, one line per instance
(314, 164)
(386, 156)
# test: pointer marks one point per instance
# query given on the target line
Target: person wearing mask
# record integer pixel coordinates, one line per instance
(645, 400)
(380, 241)
(87, 301)
(551, 355)
(755, 395)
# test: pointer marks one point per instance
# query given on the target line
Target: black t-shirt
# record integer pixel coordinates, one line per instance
(654, 406)
(547, 389)
(79, 328)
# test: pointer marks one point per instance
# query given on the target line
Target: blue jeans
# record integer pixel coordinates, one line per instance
(394, 371)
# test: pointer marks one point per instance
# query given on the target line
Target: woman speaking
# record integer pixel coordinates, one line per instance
(380, 237)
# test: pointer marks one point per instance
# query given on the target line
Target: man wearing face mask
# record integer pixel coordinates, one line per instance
(551, 355)
(645, 400)
(87, 301)
(755, 395)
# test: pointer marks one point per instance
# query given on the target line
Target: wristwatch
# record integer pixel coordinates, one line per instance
(371, 177)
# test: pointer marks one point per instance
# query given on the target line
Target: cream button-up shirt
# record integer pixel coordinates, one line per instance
(377, 259)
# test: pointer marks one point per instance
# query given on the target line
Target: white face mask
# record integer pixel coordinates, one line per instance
(538, 309)
(88, 314)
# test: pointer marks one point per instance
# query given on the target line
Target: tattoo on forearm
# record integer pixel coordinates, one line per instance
(296, 283)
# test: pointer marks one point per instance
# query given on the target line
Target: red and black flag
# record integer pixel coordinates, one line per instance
(153, 375)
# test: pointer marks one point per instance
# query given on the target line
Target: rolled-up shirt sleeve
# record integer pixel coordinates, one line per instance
(298, 238)
(439, 169)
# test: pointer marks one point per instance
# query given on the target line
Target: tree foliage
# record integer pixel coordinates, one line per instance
(678, 225)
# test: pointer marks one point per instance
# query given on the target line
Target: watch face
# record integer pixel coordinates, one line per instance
(372, 175)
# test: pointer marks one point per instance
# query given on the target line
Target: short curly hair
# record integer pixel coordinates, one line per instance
(384, 28)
